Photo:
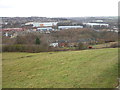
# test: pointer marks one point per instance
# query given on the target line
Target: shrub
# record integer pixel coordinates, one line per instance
(24, 48)
(37, 41)
(13, 48)
(82, 46)
(114, 45)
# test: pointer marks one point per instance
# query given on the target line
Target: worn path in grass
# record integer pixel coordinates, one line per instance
(70, 69)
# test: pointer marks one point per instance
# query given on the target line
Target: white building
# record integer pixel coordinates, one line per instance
(42, 24)
(29, 23)
(54, 44)
(6, 34)
(69, 27)
(45, 29)
(96, 24)
(97, 20)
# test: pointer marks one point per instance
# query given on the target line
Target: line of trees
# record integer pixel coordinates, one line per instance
(37, 42)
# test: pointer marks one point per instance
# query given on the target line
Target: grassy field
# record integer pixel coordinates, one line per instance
(70, 69)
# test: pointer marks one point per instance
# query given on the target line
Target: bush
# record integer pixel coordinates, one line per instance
(24, 48)
(82, 46)
(13, 48)
(114, 45)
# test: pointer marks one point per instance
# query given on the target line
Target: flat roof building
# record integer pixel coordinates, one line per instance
(96, 24)
(45, 29)
(42, 24)
(69, 27)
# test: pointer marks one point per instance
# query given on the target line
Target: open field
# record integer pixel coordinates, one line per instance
(95, 68)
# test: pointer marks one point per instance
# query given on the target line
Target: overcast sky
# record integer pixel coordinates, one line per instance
(58, 8)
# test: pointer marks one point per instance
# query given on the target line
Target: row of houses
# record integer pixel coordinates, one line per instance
(12, 32)
(12, 29)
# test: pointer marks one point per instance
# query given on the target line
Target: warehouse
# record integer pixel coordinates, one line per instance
(69, 27)
(96, 24)
(42, 24)
(45, 29)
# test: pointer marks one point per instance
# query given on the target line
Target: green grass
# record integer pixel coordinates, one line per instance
(69, 69)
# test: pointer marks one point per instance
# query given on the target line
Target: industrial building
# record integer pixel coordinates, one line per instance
(69, 27)
(45, 29)
(96, 24)
(42, 24)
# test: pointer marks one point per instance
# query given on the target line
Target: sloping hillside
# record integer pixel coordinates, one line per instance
(70, 69)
